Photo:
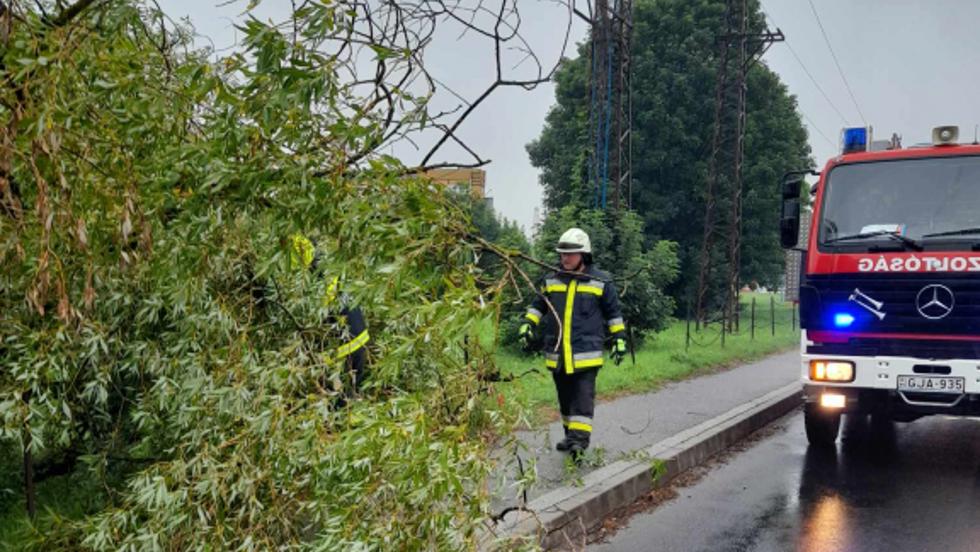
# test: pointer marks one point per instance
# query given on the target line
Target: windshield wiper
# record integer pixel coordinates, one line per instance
(961, 232)
(905, 240)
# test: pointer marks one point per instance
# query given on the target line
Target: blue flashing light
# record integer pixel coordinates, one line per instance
(855, 139)
(843, 320)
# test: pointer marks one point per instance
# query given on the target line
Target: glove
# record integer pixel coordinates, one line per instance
(526, 336)
(619, 350)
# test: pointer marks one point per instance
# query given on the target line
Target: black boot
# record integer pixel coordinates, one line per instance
(578, 441)
(576, 449)
(562, 446)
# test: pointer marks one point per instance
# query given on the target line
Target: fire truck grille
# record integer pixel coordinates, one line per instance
(905, 303)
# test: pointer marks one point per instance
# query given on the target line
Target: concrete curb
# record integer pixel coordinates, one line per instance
(562, 516)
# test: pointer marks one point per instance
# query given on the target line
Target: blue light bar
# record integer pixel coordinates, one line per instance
(855, 139)
(843, 320)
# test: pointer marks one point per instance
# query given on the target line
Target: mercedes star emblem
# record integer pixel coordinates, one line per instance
(934, 301)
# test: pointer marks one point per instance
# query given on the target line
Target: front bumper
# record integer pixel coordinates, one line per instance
(892, 402)
(875, 386)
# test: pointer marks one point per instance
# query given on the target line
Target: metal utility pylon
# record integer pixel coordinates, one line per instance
(622, 173)
(738, 50)
(611, 104)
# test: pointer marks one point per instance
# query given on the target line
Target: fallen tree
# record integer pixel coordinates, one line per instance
(151, 327)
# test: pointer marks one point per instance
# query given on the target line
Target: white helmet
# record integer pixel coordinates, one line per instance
(574, 240)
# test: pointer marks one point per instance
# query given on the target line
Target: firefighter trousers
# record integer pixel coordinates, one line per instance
(576, 400)
(355, 363)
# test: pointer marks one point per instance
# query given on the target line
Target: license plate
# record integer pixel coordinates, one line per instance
(931, 384)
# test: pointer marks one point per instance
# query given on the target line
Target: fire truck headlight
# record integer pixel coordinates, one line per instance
(843, 320)
(831, 370)
(832, 400)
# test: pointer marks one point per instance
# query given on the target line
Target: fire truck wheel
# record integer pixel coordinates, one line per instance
(822, 427)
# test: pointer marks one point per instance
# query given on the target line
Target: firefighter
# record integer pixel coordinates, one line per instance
(585, 306)
(303, 254)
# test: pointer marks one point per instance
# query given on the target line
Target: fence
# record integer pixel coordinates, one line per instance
(760, 316)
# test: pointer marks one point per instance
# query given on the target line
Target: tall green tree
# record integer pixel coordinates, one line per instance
(495, 228)
(674, 53)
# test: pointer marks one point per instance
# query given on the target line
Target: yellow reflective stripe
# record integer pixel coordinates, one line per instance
(533, 317)
(566, 334)
(330, 294)
(617, 328)
(353, 346)
(302, 250)
(579, 426)
(590, 289)
(589, 363)
(555, 287)
(551, 363)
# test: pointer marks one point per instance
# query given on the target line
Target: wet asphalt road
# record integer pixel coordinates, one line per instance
(903, 487)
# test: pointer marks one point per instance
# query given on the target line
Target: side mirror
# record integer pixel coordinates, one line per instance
(792, 186)
(789, 223)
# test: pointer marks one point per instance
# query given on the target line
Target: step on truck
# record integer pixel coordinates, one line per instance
(889, 290)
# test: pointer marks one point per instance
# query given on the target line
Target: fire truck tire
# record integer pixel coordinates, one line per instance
(822, 427)
(882, 429)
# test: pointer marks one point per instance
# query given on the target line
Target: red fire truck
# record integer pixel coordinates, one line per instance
(890, 284)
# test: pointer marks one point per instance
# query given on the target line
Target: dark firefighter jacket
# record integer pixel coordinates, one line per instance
(356, 328)
(587, 306)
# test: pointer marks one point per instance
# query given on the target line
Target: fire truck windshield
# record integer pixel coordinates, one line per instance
(865, 204)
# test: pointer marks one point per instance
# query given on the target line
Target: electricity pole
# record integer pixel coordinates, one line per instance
(738, 51)
(611, 104)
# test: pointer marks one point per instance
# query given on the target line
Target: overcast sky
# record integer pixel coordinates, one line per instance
(911, 65)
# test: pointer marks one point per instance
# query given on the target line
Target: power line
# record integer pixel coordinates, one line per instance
(816, 128)
(807, 71)
(816, 84)
(837, 63)
(824, 94)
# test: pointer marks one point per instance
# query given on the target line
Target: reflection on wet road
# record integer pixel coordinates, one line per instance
(887, 487)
